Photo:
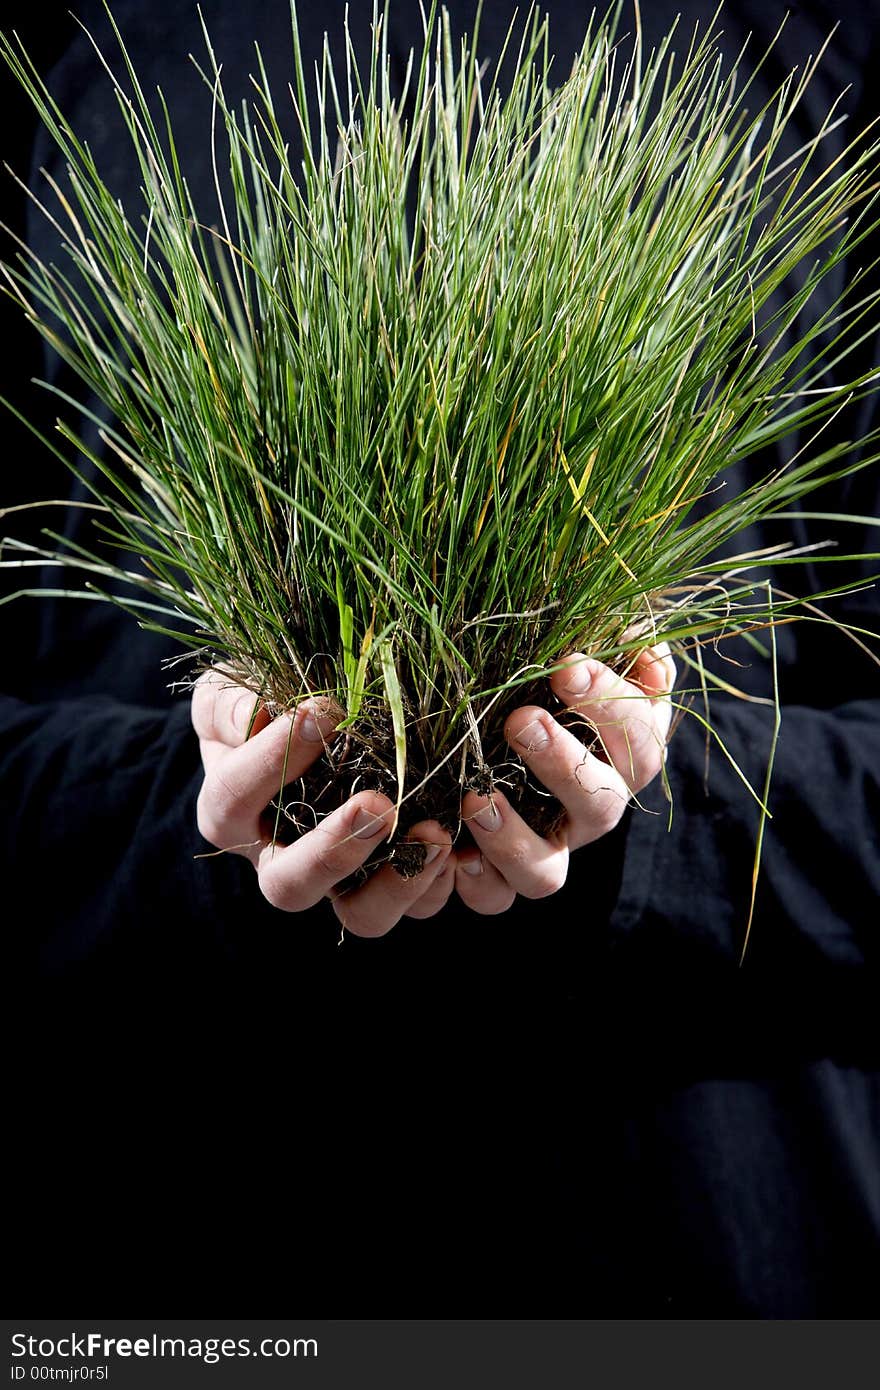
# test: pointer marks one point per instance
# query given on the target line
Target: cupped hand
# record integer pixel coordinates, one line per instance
(626, 725)
(247, 756)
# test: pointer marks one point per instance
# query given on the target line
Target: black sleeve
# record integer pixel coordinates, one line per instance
(819, 883)
(103, 825)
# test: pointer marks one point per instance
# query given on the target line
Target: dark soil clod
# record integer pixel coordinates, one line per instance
(408, 858)
(367, 764)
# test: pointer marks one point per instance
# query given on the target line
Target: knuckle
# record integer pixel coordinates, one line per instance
(333, 859)
(628, 720)
(518, 859)
(633, 754)
(209, 824)
(279, 890)
(648, 769)
(201, 710)
(545, 882)
(271, 755)
(220, 801)
(607, 814)
(662, 726)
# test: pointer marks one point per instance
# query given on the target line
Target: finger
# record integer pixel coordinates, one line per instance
(296, 877)
(436, 895)
(480, 886)
(593, 794)
(379, 905)
(240, 782)
(631, 726)
(533, 866)
(654, 670)
(223, 711)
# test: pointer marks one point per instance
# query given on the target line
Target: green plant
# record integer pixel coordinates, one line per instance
(421, 415)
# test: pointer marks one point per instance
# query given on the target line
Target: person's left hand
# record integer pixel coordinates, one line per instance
(630, 720)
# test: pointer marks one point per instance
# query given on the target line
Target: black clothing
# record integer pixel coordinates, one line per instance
(581, 1108)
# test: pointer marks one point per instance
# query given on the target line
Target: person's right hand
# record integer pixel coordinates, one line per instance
(243, 774)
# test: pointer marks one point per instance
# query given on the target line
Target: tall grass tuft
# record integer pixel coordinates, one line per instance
(408, 417)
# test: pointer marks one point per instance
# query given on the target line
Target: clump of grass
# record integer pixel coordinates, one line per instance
(406, 421)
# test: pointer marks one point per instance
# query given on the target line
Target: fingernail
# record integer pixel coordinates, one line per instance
(472, 866)
(489, 818)
(243, 712)
(578, 679)
(366, 826)
(534, 735)
(431, 852)
(309, 730)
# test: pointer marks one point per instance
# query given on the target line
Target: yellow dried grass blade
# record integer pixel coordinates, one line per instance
(578, 490)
